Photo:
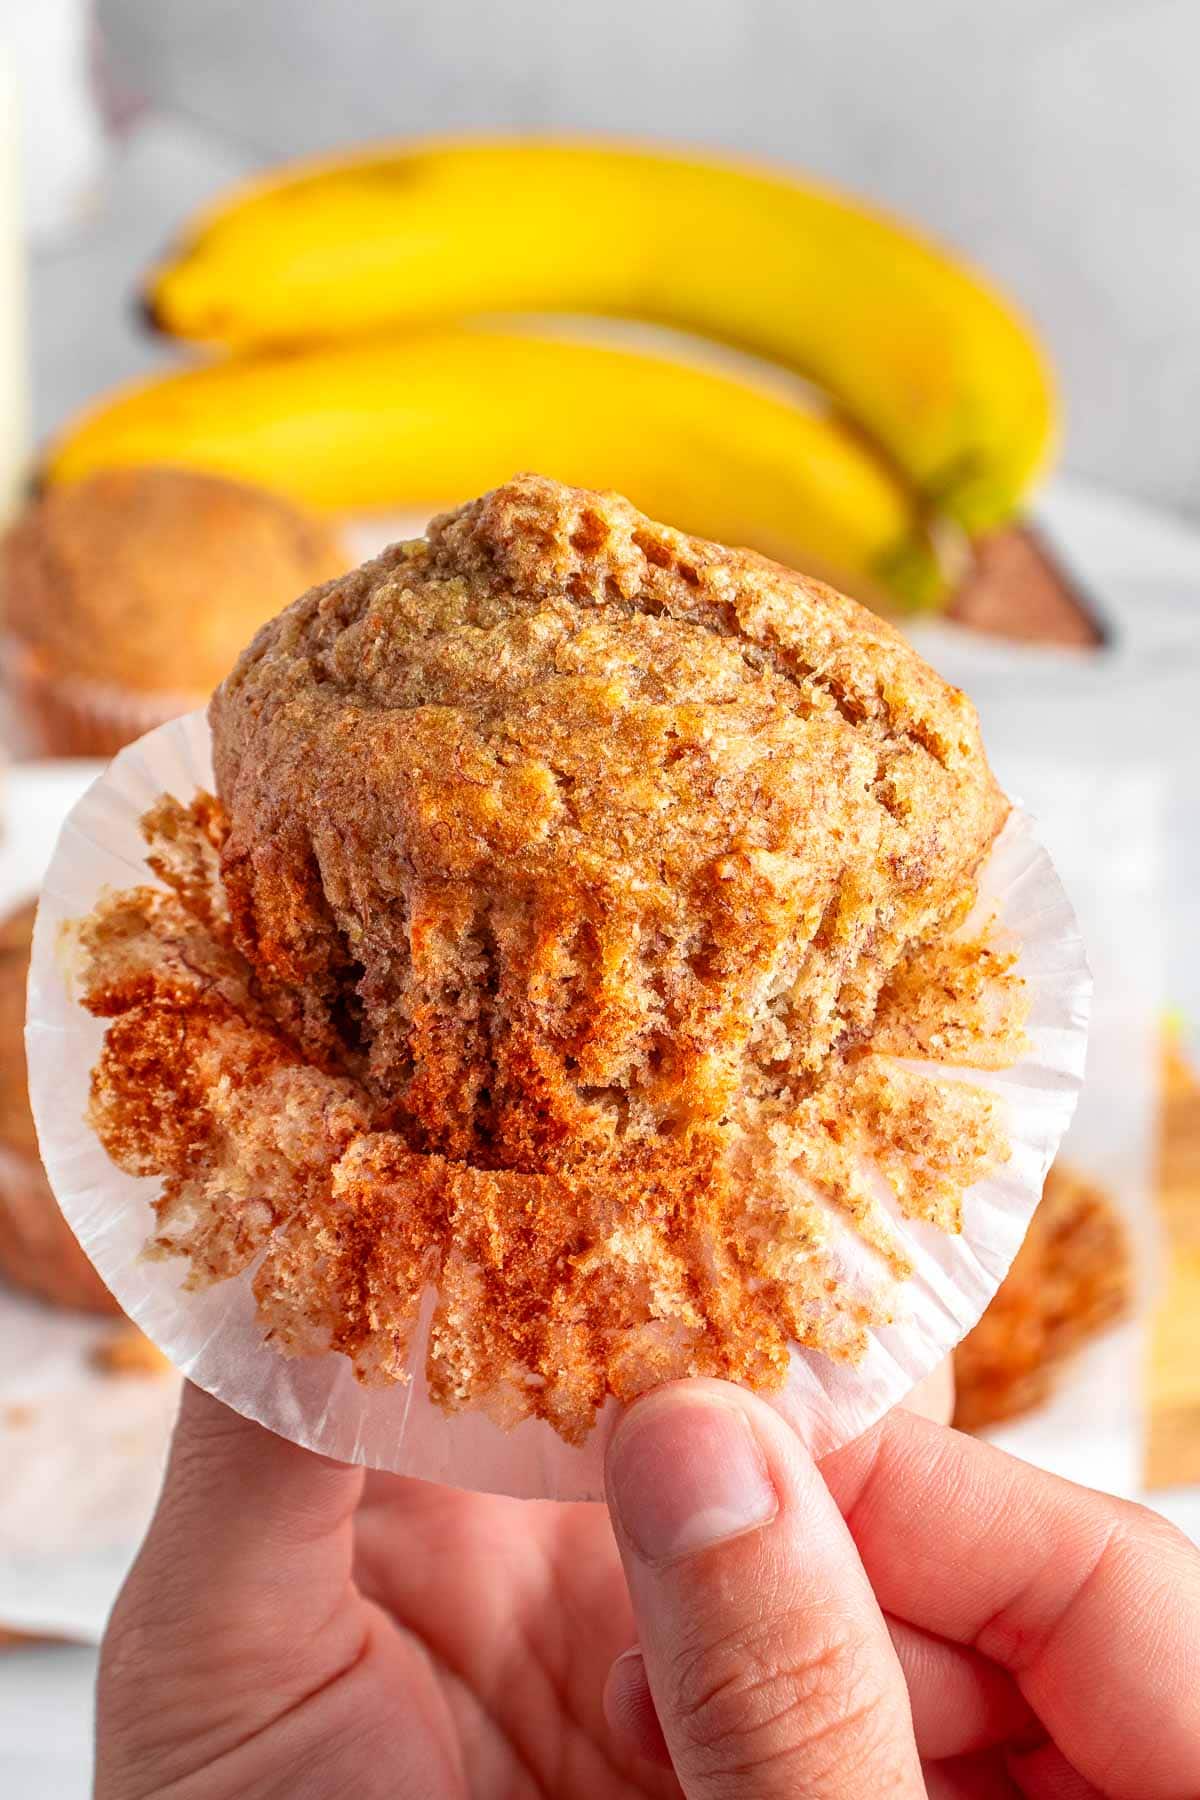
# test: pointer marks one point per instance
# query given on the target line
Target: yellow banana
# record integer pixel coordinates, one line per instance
(430, 418)
(921, 353)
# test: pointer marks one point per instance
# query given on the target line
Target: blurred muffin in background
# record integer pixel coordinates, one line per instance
(38, 1250)
(127, 598)
(1072, 1276)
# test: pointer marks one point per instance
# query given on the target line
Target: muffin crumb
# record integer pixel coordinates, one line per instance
(128, 1352)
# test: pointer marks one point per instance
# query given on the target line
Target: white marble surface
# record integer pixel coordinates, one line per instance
(46, 1722)
(1055, 141)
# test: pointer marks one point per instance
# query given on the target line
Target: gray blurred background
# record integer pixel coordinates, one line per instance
(1057, 141)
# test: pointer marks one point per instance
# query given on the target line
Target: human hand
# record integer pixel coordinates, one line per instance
(293, 1630)
(920, 1615)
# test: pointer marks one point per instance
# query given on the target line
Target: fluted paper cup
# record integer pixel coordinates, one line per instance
(74, 715)
(213, 1335)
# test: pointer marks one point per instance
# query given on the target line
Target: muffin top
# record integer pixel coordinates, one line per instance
(16, 1120)
(153, 579)
(561, 828)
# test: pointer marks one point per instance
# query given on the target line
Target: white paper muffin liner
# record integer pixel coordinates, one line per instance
(213, 1336)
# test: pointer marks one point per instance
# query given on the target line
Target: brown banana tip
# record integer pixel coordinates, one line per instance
(148, 312)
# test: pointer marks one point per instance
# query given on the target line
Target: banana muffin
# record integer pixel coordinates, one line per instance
(1072, 1277)
(128, 597)
(576, 907)
(38, 1250)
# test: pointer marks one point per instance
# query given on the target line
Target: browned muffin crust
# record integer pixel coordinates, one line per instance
(580, 885)
(670, 812)
(153, 579)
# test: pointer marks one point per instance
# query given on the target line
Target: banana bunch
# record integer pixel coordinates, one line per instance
(340, 287)
(435, 415)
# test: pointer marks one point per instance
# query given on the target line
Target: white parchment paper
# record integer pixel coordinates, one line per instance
(81, 1457)
(213, 1337)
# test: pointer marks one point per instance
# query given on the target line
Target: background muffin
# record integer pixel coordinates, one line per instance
(38, 1250)
(1072, 1276)
(127, 597)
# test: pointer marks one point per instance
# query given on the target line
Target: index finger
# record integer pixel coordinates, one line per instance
(1092, 1604)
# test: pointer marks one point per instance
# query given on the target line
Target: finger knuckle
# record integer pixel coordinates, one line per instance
(752, 1699)
(1147, 1531)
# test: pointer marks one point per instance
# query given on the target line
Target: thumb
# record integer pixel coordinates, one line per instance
(248, 1514)
(769, 1662)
